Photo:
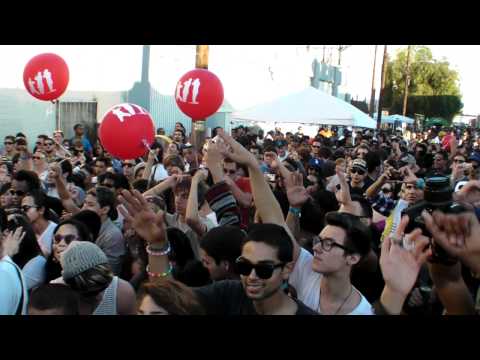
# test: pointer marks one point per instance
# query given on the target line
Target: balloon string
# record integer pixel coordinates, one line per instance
(149, 148)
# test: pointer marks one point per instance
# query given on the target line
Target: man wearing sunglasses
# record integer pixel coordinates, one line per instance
(9, 147)
(50, 151)
(358, 174)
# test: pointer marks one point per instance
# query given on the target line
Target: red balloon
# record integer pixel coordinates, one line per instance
(46, 76)
(125, 129)
(199, 94)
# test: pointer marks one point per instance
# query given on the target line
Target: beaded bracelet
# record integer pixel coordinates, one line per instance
(168, 272)
(158, 252)
(295, 211)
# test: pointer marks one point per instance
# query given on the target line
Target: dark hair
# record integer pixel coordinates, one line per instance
(188, 269)
(175, 297)
(105, 160)
(373, 160)
(214, 243)
(20, 134)
(66, 168)
(366, 206)
(29, 247)
(313, 212)
(42, 136)
(443, 153)
(256, 147)
(40, 200)
(174, 160)
(270, 148)
(76, 126)
(275, 236)
(33, 182)
(157, 145)
(121, 182)
(82, 230)
(358, 235)
(55, 296)
(90, 220)
(10, 137)
(105, 197)
(325, 152)
(140, 185)
(5, 187)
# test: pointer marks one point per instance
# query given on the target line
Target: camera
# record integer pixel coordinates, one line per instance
(437, 196)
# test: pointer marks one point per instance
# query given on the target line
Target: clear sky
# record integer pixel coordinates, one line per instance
(251, 74)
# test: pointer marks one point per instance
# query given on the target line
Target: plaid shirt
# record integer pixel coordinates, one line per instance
(382, 204)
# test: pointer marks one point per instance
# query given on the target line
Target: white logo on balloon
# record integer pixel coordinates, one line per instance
(130, 110)
(40, 89)
(183, 90)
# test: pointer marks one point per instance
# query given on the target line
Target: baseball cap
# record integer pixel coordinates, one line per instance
(475, 156)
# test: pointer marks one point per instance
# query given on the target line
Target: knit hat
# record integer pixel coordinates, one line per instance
(81, 256)
(359, 163)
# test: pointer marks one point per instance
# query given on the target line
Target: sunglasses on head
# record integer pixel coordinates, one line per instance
(264, 270)
(67, 238)
(357, 171)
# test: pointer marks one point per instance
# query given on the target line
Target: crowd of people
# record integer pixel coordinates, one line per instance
(343, 223)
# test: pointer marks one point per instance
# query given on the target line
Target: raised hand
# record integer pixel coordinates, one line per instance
(296, 192)
(457, 234)
(147, 224)
(400, 267)
(11, 242)
(238, 153)
(469, 193)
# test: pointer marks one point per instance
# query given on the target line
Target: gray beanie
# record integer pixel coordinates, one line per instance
(81, 256)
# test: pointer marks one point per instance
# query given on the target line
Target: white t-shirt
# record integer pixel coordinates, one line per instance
(159, 171)
(35, 272)
(11, 288)
(46, 239)
(307, 283)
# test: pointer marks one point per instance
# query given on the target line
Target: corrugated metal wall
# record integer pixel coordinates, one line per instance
(79, 112)
(20, 112)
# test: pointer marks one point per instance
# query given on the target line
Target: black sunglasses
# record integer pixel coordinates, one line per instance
(231, 172)
(67, 238)
(48, 144)
(263, 271)
(19, 193)
(357, 171)
(7, 143)
(25, 208)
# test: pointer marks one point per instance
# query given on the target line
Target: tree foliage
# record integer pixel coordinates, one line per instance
(433, 88)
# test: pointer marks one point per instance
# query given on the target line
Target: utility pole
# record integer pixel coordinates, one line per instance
(407, 82)
(372, 97)
(199, 126)
(382, 89)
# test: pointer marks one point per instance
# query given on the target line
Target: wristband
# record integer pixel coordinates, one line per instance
(168, 272)
(158, 252)
(295, 211)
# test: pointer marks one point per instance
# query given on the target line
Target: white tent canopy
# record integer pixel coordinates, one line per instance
(309, 107)
(393, 118)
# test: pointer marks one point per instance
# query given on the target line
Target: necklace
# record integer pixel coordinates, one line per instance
(343, 303)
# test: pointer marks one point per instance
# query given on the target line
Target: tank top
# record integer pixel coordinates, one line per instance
(108, 305)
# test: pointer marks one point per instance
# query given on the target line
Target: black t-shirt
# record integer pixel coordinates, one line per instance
(227, 297)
